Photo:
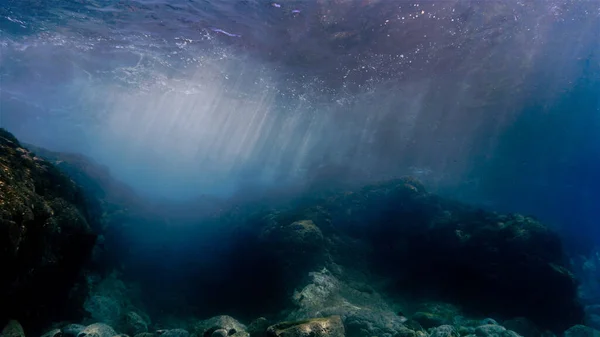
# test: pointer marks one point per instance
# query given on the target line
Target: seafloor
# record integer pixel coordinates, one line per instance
(384, 260)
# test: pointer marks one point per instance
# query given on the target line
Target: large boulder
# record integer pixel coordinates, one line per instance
(509, 264)
(46, 236)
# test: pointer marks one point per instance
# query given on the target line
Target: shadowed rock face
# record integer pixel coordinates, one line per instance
(492, 264)
(45, 236)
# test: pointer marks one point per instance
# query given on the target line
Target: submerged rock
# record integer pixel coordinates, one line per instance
(296, 246)
(581, 331)
(429, 320)
(219, 333)
(13, 329)
(46, 233)
(444, 331)
(173, 333)
(133, 323)
(509, 264)
(493, 330)
(224, 322)
(523, 327)
(316, 327)
(53, 333)
(363, 313)
(103, 308)
(258, 327)
(97, 330)
(145, 334)
(72, 330)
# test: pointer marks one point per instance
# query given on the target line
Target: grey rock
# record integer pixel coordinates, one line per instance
(145, 334)
(173, 333)
(219, 333)
(52, 333)
(133, 323)
(103, 308)
(97, 330)
(465, 330)
(72, 330)
(366, 322)
(364, 313)
(258, 327)
(444, 331)
(582, 331)
(13, 329)
(429, 320)
(406, 332)
(316, 327)
(493, 330)
(488, 321)
(228, 323)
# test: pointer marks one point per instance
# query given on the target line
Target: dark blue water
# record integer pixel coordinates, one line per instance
(496, 103)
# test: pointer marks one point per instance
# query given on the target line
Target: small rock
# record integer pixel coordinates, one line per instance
(97, 330)
(228, 323)
(72, 330)
(173, 333)
(13, 329)
(413, 325)
(444, 331)
(582, 331)
(316, 327)
(52, 333)
(493, 330)
(145, 334)
(258, 327)
(429, 320)
(488, 321)
(366, 322)
(465, 330)
(406, 332)
(219, 333)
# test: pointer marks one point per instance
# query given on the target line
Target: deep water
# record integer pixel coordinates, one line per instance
(204, 132)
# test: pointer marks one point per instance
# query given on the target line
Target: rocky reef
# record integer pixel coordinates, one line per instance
(426, 247)
(46, 236)
(388, 259)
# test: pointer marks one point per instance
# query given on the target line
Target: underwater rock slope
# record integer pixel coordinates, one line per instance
(46, 235)
(428, 246)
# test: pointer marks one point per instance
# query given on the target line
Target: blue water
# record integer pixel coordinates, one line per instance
(492, 102)
(496, 103)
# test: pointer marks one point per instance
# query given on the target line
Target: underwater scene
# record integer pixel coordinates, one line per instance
(299, 168)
